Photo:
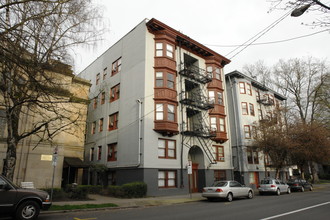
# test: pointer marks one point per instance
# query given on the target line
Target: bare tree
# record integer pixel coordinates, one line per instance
(302, 80)
(260, 72)
(34, 35)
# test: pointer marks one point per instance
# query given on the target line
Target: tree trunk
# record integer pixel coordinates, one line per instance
(10, 161)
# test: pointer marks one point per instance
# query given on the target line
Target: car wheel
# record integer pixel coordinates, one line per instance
(28, 210)
(230, 197)
(288, 191)
(278, 192)
(311, 188)
(250, 195)
(302, 189)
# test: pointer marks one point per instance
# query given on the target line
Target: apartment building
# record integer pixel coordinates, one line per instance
(35, 157)
(158, 112)
(250, 102)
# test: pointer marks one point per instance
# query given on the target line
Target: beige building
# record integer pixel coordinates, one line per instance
(35, 161)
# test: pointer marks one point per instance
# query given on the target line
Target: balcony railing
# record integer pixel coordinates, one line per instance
(199, 130)
(195, 73)
(196, 100)
(265, 101)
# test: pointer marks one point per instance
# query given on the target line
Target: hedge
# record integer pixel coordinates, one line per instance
(129, 190)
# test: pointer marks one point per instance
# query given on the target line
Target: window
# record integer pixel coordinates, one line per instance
(220, 98)
(93, 127)
(217, 124)
(245, 110)
(255, 157)
(219, 153)
(249, 156)
(247, 132)
(116, 67)
(112, 152)
(213, 124)
(170, 112)
(159, 79)
(166, 179)
(113, 122)
(99, 152)
(105, 72)
(165, 80)
(209, 69)
(271, 99)
(220, 175)
(168, 115)
(170, 81)
(168, 50)
(102, 98)
(254, 131)
(115, 93)
(222, 126)
(242, 87)
(97, 78)
(159, 111)
(248, 89)
(166, 149)
(95, 102)
(101, 125)
(159, 49)
(211, 97)
(258, 95)
(252, 156)
(251, 107)
(260, 114)
(218, 73)
(91, 154)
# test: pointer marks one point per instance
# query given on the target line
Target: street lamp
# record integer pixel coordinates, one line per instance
(299, 11)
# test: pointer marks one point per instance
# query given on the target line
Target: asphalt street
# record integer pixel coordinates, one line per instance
(297, 205)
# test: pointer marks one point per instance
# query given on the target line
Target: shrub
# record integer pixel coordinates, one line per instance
(58, 193)
(129, 190)
(324, 176)
(79, 192)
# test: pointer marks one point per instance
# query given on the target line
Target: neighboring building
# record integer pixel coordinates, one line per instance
(34, 162)
(250, 102)
(158, 112)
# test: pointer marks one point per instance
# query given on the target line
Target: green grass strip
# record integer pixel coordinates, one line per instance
(84, 206)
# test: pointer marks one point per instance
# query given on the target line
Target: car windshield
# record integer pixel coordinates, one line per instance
(266, 182)
(220, 184)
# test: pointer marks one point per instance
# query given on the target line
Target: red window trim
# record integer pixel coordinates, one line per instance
(251, 112)
(165, 79)
(167, 179)
(93, 128)
(242, 83)
(247, 108)
(248, 85)
(115, 67)
(218, 156)
(101, 124)
(115, 93)
(164, 49)
(112, 152)
(167, 149)
(115, 122)
(99, 152)
(165, 111)
(247, 126)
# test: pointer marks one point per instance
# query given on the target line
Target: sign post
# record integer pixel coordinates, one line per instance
(54, 166)
(189, 171)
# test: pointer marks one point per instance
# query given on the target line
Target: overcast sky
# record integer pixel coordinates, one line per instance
(216, 23)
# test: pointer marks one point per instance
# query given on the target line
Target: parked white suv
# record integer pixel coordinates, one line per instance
(271, 185)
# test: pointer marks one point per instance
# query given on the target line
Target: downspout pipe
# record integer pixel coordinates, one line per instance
(236, 129)
(140, 138)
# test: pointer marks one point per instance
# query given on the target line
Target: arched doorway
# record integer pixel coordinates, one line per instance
(197, 176)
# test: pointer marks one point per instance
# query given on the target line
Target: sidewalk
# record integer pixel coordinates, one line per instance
(133, 202)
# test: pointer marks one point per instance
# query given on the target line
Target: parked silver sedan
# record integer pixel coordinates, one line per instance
(227, 190)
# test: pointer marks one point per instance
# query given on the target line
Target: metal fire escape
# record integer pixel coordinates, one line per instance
(194, 97)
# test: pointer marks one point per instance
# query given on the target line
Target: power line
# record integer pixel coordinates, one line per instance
(258, 35)
(270, 42)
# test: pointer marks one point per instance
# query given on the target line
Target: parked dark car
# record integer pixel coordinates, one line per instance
(21, 203)
(299, 185)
